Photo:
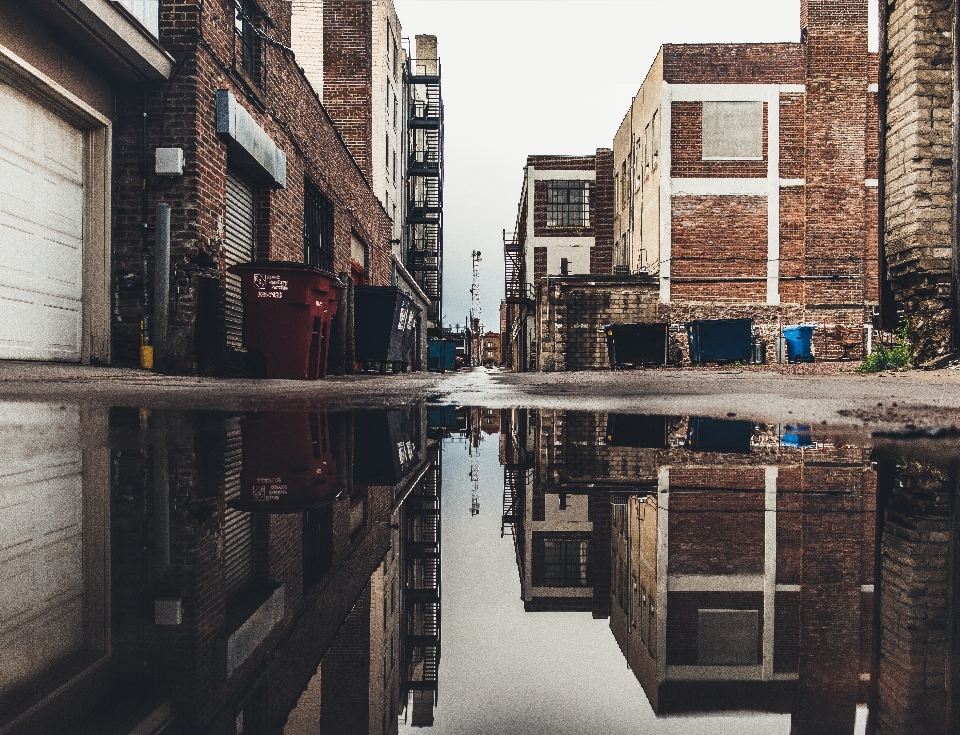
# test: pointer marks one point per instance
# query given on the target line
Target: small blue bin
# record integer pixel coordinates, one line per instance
(797, 436)
(798, 340)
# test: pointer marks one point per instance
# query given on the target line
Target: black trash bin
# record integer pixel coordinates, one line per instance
(719, 435)
(638, 431)
(384, 325)
(720, 340)
(629, 345)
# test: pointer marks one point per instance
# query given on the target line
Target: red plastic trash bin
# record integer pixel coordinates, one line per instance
(287, 310)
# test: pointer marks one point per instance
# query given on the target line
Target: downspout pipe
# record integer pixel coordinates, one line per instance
(161, 289)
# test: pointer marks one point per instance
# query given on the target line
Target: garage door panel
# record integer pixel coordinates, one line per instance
(41, 232)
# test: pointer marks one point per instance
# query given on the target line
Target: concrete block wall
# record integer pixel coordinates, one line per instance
(919, 189)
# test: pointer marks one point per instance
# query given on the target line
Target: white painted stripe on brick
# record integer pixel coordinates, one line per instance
(866, 588)
(715, 583)
(793, 88)
(788, 588)
(873, 88)
(554, 175)
(569, 242)
(719, 187)
(722, 92)
(871, 183)
(713, 673)
(786, 183)
(773, 204)
(666, 213)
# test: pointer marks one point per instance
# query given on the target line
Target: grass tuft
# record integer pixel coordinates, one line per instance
(883, 358)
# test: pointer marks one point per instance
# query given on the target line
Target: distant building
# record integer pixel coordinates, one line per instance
(490, 353)
(563, 227)
(730, 190)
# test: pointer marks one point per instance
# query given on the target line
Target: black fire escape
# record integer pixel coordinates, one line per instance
(421, 540)
(520, 298)
(424, 246)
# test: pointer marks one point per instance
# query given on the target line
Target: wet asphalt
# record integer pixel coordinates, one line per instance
(912, 403)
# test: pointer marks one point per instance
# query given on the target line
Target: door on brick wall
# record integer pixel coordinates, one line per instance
(41, 232)
(238, 249)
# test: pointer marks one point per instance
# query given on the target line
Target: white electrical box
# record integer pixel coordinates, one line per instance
(170, 161)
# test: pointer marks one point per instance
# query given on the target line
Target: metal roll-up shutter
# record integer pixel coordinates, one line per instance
(238, 249)
(41, 232)
(237, 525)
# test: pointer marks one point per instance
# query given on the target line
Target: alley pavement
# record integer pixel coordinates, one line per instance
(909, 402)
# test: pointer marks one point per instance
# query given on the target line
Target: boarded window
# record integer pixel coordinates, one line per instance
(732, 131)
(727, 637)
(317, 228)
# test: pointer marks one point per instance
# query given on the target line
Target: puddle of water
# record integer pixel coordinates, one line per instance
(470, 570)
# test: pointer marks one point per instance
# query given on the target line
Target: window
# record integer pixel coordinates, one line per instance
(248, 16)
(623, 187)
(568, 204)
(655, 124)
(732, 131)
(565, 564)
(564, 267)
(317, 228)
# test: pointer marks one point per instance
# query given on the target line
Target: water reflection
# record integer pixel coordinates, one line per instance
(206, 572)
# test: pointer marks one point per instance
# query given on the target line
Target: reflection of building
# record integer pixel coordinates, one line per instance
(217, 612)
(560, 523)
(745, 580)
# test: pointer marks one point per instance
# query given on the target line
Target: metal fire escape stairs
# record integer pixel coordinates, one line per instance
(424, 175)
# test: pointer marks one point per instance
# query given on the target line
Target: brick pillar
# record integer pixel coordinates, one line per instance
(348, 75)
(601, 255)
(836, 96)
(918, 171)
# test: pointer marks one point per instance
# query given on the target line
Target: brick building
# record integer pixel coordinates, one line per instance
(389, 114)
(918, 87)
(490, 353)
(64, 65)
(733, 189)
(563, 228)
(260, 152)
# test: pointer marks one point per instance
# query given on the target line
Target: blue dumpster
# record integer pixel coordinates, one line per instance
(636, 344)
(442, 355)
(798, 339)
(720, 340)
(797, 436)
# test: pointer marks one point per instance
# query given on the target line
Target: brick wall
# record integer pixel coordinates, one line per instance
(687, 148)
(571, 314)
(748, 63)
(918, 176)
(184, 115)
(601, 255)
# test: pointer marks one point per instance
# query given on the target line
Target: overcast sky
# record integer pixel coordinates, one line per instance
(524, 77)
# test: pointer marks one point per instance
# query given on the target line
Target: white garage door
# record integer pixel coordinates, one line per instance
(41, 232)
(41, 534)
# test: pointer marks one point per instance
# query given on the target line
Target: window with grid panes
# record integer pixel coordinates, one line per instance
(317, 228)
(568, 204)
(247, 16)
(565, 563)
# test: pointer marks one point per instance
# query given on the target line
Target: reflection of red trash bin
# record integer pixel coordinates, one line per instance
(287, 310)
(288, 463)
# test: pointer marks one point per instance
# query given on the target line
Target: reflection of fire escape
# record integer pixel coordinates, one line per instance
(421, 529)
(517, 475)
(425, 180)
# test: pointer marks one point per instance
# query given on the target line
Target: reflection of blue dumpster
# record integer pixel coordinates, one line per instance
(442, 417)
(442, 355)
(720, 340)
(719, 435)
(797, 436)
(798, 340)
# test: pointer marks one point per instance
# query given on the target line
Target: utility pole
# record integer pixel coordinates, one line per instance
(475, 308)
